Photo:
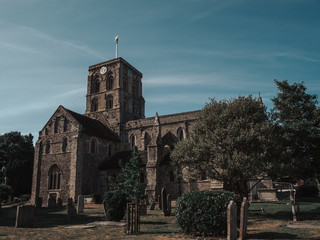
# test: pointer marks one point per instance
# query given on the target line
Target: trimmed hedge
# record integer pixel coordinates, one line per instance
(204, 213)
(115, 205)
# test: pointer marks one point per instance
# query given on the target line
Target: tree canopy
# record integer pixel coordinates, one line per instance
(297, 117)
(128, 181)
(232, 141)
(16, 161)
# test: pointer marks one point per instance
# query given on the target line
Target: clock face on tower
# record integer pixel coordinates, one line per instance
(103, 70)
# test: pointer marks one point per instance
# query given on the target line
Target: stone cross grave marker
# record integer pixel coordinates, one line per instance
(232, 221)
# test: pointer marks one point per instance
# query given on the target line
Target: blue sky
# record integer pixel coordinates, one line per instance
(188, 51)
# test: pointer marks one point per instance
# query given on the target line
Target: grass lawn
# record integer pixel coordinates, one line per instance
(274, 222)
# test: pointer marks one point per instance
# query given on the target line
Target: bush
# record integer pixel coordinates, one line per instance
(25, 197)
(5, 191)
(307, 190)
(204, 213)
(115, 205)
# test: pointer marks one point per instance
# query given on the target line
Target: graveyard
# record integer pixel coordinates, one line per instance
(268, 220)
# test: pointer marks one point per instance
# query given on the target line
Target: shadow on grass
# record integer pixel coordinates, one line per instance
(272, 235)
(153, 223)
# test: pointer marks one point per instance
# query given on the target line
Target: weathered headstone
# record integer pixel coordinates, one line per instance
(39, 202)
(80, 203)
(232, 221)
(52, 201)
(159, 201)
(168, 205)
(24, 217)
(71, 209)
(243, 219)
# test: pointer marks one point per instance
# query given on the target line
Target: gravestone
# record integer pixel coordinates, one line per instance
(159, 201)
(80, 203)
(232, 221)
(52, 201)
(24, 217)
(168, 205)
(243, 219)
(72, 212)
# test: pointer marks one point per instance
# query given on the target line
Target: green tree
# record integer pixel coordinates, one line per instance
(298, 119)
(128, 181)
(232, 141)
(16, 161)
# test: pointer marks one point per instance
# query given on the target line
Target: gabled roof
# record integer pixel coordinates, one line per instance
(93, 127)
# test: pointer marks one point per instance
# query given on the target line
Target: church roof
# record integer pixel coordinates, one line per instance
(93, 127)
(124, 156)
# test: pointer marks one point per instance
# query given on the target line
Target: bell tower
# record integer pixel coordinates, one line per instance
(114, 93)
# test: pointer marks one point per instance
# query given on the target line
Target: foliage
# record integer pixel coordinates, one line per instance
(115, 205)
(128, 179)
(298, 118)
(16, 161)
(5, 191)
(96, 198)
(308, 191)
(232, 141)
(204, 213)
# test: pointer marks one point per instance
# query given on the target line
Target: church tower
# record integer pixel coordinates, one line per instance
(114, 93)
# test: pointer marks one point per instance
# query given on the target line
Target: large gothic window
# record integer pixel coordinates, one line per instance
(47, 147)
(180, 134)
(54, 177)
(94, 105)
(95, 85)
(109, 82)
(110, 149)
(109, 102)
(65, 125)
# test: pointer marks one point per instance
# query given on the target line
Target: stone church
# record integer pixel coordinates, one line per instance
(76, 153)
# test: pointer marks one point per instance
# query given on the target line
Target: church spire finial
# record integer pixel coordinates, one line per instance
(116, 39)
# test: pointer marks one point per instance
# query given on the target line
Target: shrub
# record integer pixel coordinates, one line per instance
(307, 190)
(115, 205)
(5, 191)
(25, 197)
(204, 213)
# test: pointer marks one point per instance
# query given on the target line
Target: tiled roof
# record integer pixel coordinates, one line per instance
(94, 127)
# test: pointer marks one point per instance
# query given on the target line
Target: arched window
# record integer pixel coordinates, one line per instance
(109, 102)
(56, 125)
(65, 125)
(64, 145)
(46, 131)
(180, 134)
(93, 146)
(94, 105)
(133, 108)
(54, 177)
(47, 147)
(110, 149)
(95, 85)
(133, 140)
(109, 82)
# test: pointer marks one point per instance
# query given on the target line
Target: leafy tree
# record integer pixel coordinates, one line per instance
(16, 161)
(128, 181)
(232, 141)
(298, 119)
